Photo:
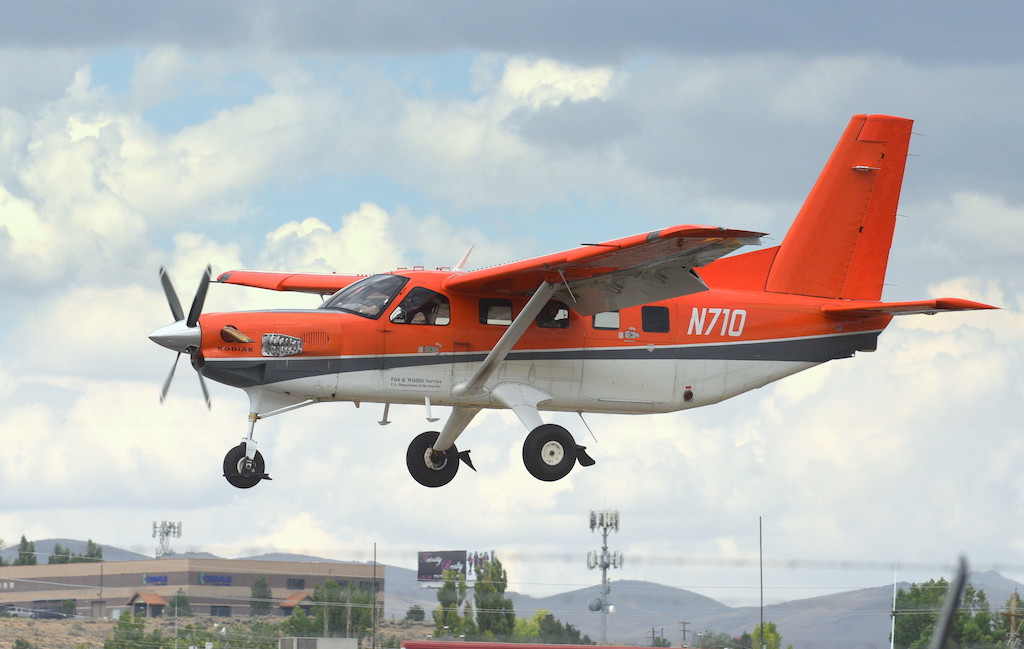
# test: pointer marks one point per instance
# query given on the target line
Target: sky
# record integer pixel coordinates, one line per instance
(360, 137)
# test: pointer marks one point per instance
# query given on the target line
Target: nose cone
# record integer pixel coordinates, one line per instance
(179, 337)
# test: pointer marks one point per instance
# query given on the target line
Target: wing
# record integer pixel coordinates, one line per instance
(301, 282)
(616, 274)
(930, 307)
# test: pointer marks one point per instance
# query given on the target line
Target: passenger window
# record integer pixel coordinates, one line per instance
(655, 319)
(555, 315)
(495, 311)
(606, 320)
(422, 306)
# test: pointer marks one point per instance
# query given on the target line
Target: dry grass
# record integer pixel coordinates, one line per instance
(90, 634)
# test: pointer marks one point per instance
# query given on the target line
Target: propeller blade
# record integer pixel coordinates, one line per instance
(167, 382)
(206, 393)
(172, 297)
(197, 302)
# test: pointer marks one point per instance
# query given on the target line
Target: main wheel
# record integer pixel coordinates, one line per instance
(549, 452)
(427, 466)
(235, 471)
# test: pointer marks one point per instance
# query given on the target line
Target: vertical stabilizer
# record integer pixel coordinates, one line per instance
(838, 246)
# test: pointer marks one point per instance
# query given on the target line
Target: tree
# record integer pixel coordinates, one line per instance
(772, 637)
(69, 608)
(415, 613)
(26, 553)
(300, 625)
(130, 633)
(260, 598)
(495, 615)
(917, 611)
(93, 552)
(709, 639)
(60, 554)
(544, 628)
(348, 612)
(179, 606)
(450, 597)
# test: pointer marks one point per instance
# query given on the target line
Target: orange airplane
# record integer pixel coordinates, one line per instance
(656, 322)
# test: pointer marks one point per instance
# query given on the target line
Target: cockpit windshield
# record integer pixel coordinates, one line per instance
(367, 297)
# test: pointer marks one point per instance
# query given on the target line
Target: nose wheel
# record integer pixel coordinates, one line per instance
(240, 471)
(428, 467)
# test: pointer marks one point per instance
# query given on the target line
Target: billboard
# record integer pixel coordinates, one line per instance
(432, 564)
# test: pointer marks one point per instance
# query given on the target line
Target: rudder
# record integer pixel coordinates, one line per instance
(838, 245)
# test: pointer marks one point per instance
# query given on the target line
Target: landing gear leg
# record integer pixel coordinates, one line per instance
(549, 452)
(428, 467)
(243, 465)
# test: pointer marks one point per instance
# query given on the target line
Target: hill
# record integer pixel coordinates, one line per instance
(44, 548)
(860, 619)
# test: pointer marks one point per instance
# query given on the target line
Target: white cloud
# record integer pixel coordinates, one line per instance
(365, 243)
(545, 82)
(94, 198)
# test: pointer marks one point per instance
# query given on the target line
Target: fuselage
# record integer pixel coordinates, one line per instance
(670, 355)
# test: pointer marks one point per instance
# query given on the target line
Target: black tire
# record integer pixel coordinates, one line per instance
(427, 468)
(549, 452)
(233, 463)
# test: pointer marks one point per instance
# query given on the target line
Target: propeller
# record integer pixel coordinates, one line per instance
(184, 334)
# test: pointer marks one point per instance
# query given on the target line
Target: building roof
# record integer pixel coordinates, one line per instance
(295, 599)
(150, 599)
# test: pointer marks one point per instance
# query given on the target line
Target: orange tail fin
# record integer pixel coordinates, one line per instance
(838, 246)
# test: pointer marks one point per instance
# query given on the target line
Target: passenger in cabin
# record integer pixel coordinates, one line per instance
(554, 316)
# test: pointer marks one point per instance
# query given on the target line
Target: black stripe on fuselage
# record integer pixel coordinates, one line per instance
(246, 373)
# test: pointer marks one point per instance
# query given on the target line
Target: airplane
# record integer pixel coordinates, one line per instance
(656, 322)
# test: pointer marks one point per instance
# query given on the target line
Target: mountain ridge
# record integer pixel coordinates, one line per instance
(860, 617)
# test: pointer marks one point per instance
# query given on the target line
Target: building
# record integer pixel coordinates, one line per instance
(217, 587)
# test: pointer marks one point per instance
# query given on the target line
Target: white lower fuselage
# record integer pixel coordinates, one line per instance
(595, 381)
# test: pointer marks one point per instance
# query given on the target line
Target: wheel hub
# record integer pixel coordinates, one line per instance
(247, 467)
(552, 453)
(434, 460)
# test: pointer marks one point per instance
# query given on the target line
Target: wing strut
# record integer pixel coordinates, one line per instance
(506, 342)
(461, 416)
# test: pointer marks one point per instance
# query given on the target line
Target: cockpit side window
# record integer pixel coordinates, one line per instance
(422, 306)
(367, 297)
(555, 315)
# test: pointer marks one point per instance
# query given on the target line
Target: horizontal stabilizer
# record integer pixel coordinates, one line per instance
(929, 307)
(320, 284)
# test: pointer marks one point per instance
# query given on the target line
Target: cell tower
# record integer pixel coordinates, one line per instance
(1013, 639)
(605, 520)
(164, 531)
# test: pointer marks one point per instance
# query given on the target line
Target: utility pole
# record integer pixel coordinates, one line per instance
(685, 624)
(657, 640)
(605, 520)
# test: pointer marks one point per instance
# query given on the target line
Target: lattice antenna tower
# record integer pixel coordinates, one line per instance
(164, 531)
(1015, 615)
(606, 521)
